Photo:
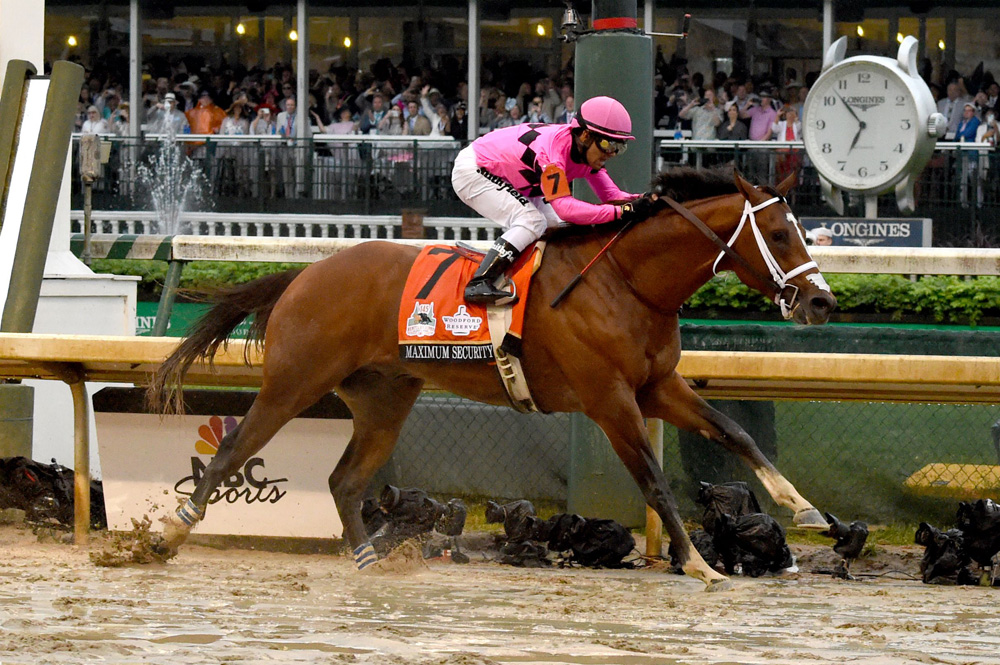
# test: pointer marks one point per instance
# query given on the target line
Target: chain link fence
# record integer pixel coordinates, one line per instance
(883, 463)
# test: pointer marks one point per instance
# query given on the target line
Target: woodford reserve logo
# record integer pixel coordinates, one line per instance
(249, 485)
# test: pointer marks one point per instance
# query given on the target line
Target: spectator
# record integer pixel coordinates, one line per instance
(167, 118)
(762, 116)
(535, 112)
(233, 181)
(501, 114)
(344, 125)
(441, 126)
(732, 128)
(705, 116)
(566, 111)
(951, 108)
(392, 123)
(119, 120)
(285, 124)
(823, 237)
(371, 117)
(206, 117)
(416, 124)
(94, 124)
(459, 128)
(429, 99)
(235, 122)
(966, 129)
(787, 128)
(516, 118)
(263, 124)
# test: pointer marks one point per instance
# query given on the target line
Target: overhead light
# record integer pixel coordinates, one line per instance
(241, 29)
(540, 30)
(941, 44)
(347, 42)
(71, 41)
(293, 35)
(861, 31)
(899, 37)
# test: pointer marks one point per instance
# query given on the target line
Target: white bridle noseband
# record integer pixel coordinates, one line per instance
(779, 276)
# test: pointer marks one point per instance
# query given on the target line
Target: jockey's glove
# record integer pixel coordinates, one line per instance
(636, 210)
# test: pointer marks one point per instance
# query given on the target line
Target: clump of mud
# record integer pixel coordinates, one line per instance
(139, 545)
(406, 558)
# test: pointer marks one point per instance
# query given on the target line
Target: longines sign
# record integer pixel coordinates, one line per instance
(884, 232)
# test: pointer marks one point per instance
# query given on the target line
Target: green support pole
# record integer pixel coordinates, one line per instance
(619, 64)
(42, 198)
(166, 305)
(615, 61)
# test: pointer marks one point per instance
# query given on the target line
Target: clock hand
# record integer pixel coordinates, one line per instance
(849, 109)
(856, 137)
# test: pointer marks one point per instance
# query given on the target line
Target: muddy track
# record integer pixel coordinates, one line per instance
(242, 606)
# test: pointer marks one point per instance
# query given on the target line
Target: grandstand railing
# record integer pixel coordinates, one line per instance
(356, 186)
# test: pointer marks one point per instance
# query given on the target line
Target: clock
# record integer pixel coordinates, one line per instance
(870, 124)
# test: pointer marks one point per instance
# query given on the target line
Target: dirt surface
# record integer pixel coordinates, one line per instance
(243, 606)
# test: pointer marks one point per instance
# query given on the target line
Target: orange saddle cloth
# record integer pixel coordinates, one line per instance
(435, 322)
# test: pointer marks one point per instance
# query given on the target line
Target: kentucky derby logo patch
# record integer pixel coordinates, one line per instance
(462, 323)
(421, 322)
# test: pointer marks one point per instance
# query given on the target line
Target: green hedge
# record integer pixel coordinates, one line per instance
(943, 299)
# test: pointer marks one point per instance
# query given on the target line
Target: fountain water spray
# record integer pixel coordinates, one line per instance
(174, 182)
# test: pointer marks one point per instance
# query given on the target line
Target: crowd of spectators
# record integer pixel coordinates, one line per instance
(400, 100)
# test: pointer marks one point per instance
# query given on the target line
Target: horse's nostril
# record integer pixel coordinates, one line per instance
(822, 303)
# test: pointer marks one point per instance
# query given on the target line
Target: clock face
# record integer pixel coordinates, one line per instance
(860, 125)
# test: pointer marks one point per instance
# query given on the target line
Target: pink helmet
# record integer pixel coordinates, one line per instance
(606, 116)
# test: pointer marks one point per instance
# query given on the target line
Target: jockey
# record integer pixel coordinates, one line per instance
(519, 177)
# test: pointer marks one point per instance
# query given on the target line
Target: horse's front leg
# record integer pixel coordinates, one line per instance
(618, 415)
(675, 402)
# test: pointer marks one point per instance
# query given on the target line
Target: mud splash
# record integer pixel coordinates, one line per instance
(138, 546)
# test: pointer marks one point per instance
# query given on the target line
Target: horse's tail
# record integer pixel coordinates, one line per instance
(231, 307)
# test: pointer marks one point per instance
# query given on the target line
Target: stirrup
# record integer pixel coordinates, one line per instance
(482, 292)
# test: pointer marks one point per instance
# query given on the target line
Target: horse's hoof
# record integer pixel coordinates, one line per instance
(175, 532)
(810, 518)
(719, 584)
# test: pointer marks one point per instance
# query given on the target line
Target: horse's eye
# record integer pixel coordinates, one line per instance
(779, 236)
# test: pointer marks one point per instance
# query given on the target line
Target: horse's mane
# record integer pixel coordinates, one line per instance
(685, 183)
(682, 183)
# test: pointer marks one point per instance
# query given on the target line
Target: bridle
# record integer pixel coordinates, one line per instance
(785, 295)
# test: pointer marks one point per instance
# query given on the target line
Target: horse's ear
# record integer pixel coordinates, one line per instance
(788, 183)
(743, 185)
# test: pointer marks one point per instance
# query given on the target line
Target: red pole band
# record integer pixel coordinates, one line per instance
(615, 23)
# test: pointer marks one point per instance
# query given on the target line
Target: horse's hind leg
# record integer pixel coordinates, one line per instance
(674, 401)
(268, 414)
(379, 405)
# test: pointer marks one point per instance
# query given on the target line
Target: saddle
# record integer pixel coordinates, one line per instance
(437, 325)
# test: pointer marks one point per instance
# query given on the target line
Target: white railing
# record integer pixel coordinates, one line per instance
(140, 222)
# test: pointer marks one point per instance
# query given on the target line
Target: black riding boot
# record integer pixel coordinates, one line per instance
(481, 289)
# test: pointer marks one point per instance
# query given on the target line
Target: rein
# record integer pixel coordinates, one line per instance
(778, 282)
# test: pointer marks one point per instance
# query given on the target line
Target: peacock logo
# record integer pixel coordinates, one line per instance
(249, 485)
(213, 433)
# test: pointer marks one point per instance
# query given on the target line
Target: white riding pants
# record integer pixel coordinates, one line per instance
(524, 219)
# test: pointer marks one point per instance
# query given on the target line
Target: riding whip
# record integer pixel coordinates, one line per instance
(576, 280)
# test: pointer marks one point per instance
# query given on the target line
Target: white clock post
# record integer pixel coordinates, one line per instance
(870, 124)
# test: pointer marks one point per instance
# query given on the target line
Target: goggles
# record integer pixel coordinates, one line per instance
(609, 146)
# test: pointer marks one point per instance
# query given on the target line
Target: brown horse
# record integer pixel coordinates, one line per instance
(609, 350)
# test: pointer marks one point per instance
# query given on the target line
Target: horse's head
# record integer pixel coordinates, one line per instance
(773, 242)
